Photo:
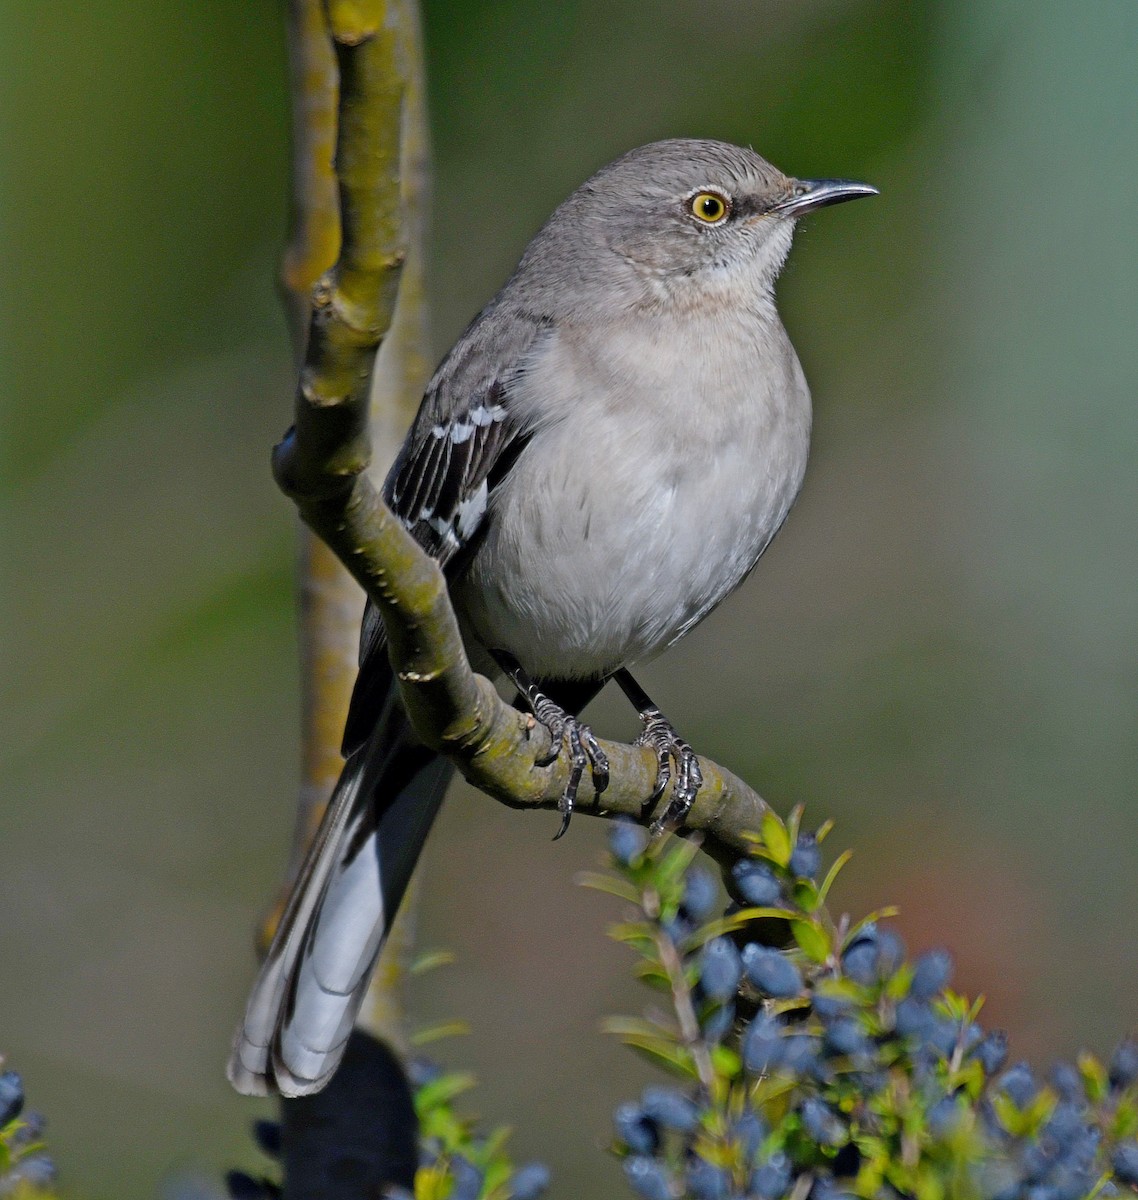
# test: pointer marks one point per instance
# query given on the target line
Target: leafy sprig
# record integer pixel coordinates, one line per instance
(813, 1060)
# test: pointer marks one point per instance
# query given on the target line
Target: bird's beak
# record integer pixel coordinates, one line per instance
(808, 194)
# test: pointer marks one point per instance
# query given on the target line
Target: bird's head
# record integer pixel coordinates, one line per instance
(711, 213)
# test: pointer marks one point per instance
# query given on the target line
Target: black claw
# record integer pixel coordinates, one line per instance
(662, 737)
(584, 751)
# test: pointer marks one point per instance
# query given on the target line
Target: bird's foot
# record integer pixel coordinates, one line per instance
(660, 734)
(584, 751)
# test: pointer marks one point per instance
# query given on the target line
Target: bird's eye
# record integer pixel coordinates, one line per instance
(709, 207)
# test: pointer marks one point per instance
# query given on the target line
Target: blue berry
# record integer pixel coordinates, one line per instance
(669, 1108)
(677, 928)
(648, 1178)
(806, 857)
(718, 1022)
(930, 974)
(1124, 1065)
(762, 1044)
(31, 1129)
(830, 1006)
(944, 1036)
(267, 1135)
(422, 1070)
(636, 1129)
(1067, 1127)
(701, 895)
(529, 1182)
(627, 841)
(771, 972)
(37, 1170)
(821, 1123)
(11, 1097)
(1125, 1163)
(845, 1036)
(707, 1181)
(1066, 1081)
(750, 1130)
(914, 1020)
(944, 1117)
(467, 1179)
(720, 969)
(890, 953)
(770, 1180)
(992, 1052)
(799, 1055)
(756, 883)
(1018, 1084)
(860, 959)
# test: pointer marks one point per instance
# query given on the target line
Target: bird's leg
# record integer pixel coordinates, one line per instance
(564, 729)
(660, 734)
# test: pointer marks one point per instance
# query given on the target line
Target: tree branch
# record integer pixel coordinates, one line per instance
(321, 464)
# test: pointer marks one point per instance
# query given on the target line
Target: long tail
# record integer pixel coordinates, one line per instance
(310, 988)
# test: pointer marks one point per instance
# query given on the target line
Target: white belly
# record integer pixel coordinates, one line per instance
(622, 525)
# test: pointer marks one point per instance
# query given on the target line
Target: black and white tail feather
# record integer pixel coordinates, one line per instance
(310, 988)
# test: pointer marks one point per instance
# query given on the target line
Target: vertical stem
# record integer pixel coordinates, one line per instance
(330, 601)
(397, 387)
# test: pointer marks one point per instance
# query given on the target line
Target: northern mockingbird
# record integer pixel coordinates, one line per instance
(600, 459)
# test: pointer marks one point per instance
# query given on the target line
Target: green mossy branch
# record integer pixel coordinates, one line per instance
(321, 465)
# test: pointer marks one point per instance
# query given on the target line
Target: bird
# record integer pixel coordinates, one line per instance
(600, 459)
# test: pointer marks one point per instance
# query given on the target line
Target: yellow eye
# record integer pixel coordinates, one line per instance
(709, 207)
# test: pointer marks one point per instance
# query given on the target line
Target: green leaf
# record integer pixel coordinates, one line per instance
(1094, 1076)
(436, 1033)
(637, 934)
(878, 914)
(794, 823)
(428, 960)
(601, 881)
(812, 939)
(496, 1142)
(662, 1052)
(670, 872)
(775, 838)
(653, 974)
(432, 1182)
(443, 1090)
(726, 1062)
(897, 987)
(737, 920)
(638, 1027)
(832, 874)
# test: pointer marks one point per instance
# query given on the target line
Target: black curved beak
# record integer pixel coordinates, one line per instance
(809, 194)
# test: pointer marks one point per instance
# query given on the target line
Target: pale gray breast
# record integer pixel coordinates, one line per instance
(677, 452)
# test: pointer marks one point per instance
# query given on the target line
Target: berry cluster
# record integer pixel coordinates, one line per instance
(25, 1166)
(815, 1062)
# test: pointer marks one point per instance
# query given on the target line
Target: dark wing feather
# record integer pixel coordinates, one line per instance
(462, 440)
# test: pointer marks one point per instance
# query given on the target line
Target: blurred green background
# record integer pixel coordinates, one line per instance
(940, 650)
